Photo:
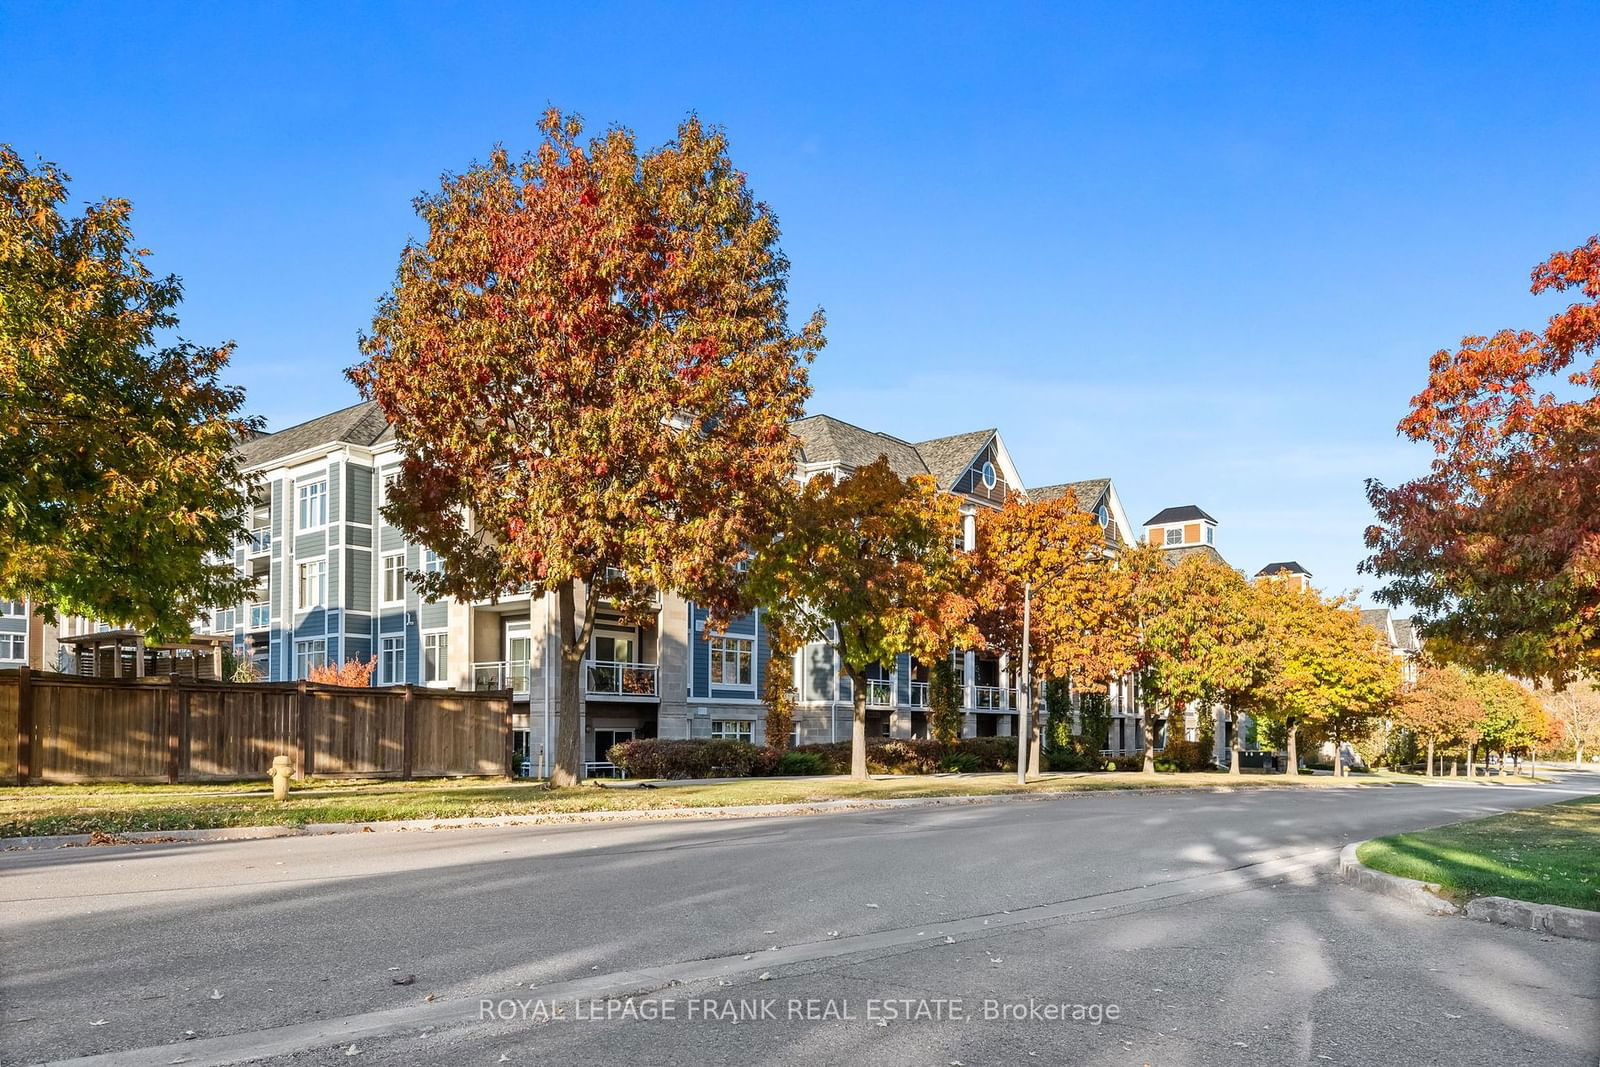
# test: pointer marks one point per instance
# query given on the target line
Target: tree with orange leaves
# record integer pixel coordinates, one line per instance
(1498, 546)
(589, 366)
(869, 564)
(354, 673)
(1440, 708)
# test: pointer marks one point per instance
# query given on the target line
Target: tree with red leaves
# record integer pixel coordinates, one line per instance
(589, 367)
(1498, 546)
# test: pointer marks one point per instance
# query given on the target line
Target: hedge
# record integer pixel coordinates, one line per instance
(701, 758)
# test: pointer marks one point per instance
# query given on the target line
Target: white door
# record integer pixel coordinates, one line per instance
(519, 648)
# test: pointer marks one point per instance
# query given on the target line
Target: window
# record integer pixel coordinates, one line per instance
(1175, 536)
(12, 608)
(394, 578)
(13, 647)
(310, 654)
(435, 657)
(224, 621)
(989, 476)
(1103, 516)
(431, 563)
(1210, 532)
(730, 660)
(311, 584)
(313, 505)
(392, 661)
(733, 730)
(958, 668)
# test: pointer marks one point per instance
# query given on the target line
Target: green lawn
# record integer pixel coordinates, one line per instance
(63, 809)
(1548, 855)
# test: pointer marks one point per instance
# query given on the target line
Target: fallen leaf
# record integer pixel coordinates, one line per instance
(352, 1051)
(407, 980)
(764, 976)
(216, 994)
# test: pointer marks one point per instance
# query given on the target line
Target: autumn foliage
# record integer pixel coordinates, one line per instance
(1498, 546)
(355, 673)
(588, 364)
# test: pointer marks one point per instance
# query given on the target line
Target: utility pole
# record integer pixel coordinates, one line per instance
(1025, 713)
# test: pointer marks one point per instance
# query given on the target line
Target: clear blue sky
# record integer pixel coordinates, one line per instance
(1205, 252)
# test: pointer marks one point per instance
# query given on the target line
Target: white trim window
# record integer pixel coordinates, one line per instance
(432, 562)
(392, 661)
(12, 609)
(435, 657)
(311, 584)
(732, 660)
(13, 648)
(313, 504)
(733, 730)
(310, 653)
(394, 578)
(1174, 535)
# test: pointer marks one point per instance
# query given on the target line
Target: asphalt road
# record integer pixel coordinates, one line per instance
(1103, 928)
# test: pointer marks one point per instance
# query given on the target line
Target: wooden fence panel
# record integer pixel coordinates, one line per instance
(10, 692)
(235, 731)
(84, 730)
(458, 733)
(357, 732)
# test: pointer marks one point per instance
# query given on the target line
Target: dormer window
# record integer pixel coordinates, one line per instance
(989, 476)
(1175, 536)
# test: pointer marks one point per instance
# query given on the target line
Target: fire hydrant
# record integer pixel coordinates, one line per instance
(282, 769)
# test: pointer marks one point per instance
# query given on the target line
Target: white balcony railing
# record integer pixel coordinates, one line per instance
(614, 679)
(919, 694)
(990, 698)
(880, 693)
(502, 674)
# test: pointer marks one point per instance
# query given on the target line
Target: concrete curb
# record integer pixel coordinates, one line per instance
(1422, 896)
(1540, 918)
(1522, 914)
(741, 811)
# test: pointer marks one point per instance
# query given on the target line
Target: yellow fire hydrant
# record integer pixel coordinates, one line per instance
(282, 770)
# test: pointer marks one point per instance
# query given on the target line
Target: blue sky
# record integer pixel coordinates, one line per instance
(1204, 251)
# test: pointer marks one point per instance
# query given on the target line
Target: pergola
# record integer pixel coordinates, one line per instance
(126, 654)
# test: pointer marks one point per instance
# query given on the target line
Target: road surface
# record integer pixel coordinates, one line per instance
(1115, 928)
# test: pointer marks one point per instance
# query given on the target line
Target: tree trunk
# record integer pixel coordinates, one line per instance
(858, 723)
(1294, 747)
(1233, 742)
(1430, 756)
(1149, 741)
(1472, 752)
(1035, 728)
(573, 637)
(1578, 754)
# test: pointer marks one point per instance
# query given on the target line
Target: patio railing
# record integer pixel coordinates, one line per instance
(612, 678)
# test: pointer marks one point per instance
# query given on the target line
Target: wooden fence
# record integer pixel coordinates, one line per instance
(73, 729)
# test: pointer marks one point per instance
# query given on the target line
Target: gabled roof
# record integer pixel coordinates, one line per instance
(1186, 513)
(1405, 635)
(358, 424)
(948, 458)
(1087, 493)
(1287, 567)
(1175, 555)
(825, 440)
(1379, 620)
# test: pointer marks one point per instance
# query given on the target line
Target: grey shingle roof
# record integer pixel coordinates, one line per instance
(949, 457)
(1086, 493)
(1175, 555)
(1287, 567)
(1185, 513)
(1405, 635)
(825, 439)
(359, 424)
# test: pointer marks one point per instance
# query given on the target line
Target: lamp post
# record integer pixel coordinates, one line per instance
(1025, 713)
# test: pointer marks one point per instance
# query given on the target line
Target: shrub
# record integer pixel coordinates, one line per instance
(1126, 763)
(1181, 755)
(801, 763)
(1076, 756)
(960, 762)
(693, 758)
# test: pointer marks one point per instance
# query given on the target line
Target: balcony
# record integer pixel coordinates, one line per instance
(606, 678)
(259, 541)
(919, 694)
(502, 674)
(880, 693)
(991, 698)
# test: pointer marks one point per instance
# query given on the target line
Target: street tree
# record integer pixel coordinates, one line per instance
(1498, 546)
(588, 365)
(1058, 554)
(869, 564)
(121, 496)
(1577, 709)
(1439, 708)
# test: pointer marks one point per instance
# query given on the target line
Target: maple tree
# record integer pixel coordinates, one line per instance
(120, 491)
(1207, 645)
(944, 702)
(1498, 546)
(778, 689)
(1577, 709)
(870, 565)
(1323, 670)
(1439, 707)
(1058, 554)
(588, 364)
